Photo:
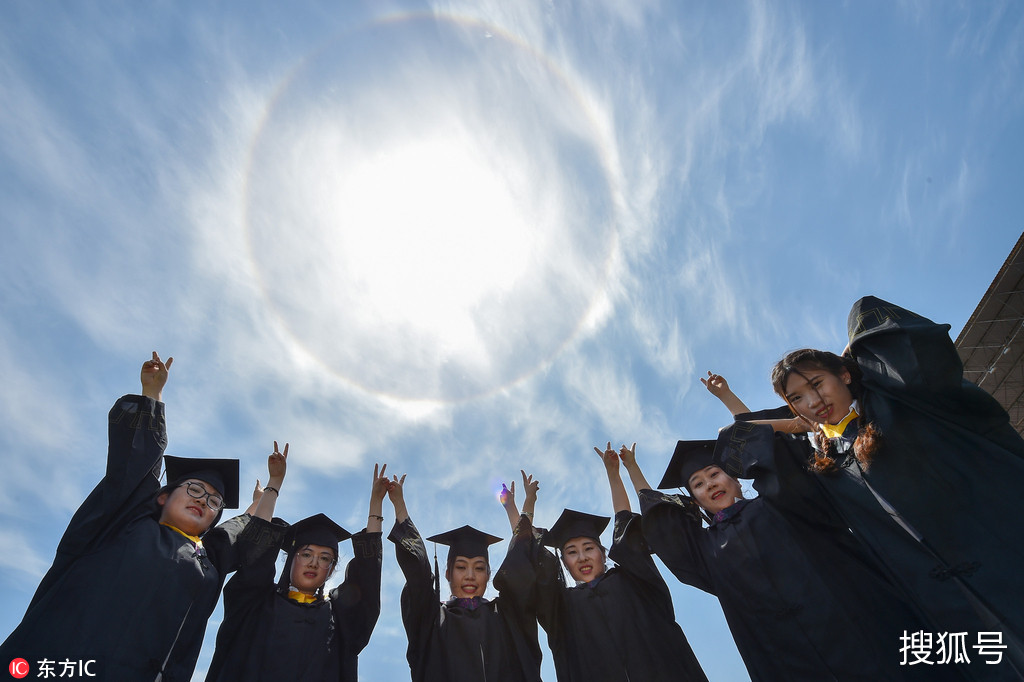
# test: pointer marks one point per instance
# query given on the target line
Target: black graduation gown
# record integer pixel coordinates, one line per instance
(951, 464)
(123, 589)
(800, 599)
(267, 636)
(496, 642)
(620, 627)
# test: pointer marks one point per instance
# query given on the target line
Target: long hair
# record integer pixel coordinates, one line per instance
(869, 437)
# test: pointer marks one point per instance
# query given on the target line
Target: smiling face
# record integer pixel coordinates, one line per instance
(311, 567)
(819, 395)
(713, 489)
(468, 576)
(187, 513)
(584, 558)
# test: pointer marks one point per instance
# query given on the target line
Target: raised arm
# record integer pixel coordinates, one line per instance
(610, 458)
(507, 498)
(264, 499)
(356, 602)
(636, 476)
(154, 377)
(531, 486)
(378, 489)
(719, 387)
(396, 494)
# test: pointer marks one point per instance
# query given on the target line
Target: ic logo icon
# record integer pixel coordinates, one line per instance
(18, 668)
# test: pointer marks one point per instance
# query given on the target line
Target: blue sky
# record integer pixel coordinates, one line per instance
(466, 238)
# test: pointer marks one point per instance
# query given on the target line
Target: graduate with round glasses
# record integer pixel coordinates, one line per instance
(468, 638)
(615, 624)
(291, 630)
(139, 568)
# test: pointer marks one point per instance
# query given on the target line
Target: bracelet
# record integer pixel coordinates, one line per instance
(528, 515)
(376, 516)
(270, 487)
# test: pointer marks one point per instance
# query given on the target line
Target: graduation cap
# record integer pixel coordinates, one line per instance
(689, 457)
(315, 530)
(222, 474)
(573, 524)
(466, 541)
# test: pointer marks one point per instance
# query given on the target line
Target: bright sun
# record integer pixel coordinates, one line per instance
(427, 229)
(433, 222)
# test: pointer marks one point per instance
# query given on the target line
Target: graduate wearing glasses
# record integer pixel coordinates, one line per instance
(139, 568)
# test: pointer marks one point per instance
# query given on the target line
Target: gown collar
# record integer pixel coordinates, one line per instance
(730, 512)
(194, 538)
(468, 603)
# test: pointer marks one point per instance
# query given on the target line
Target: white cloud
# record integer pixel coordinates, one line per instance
(18, 557)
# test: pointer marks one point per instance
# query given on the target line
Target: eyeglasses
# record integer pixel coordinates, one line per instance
(197, 491)
(322, 560)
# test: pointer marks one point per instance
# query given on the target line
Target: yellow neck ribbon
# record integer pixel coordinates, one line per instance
(837, 430)
(301, 597)
(194, 538)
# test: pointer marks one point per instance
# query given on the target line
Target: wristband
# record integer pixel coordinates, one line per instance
(270, 487)
(376, 516)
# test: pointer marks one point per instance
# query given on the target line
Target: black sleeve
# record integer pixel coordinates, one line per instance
(778, 465)
(772, 413)
(222, 543)
(248, 597)
(633, 555)
(421, 609)
(137, 437)
(516, 578)
(516, 583)
(672, 527)
(257, 547)
(549, 592)
(356, 602)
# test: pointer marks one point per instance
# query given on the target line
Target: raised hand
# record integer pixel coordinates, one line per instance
(628, 455)
(396, 493)
(507, 496)
(716, 385)
(154, 376)
(263, 504)
(378, 489)
(530, 485)
(396, 488)
(719, 387)
(608, 456)
(381, 485)
(277, 463)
